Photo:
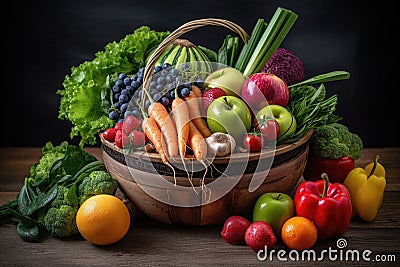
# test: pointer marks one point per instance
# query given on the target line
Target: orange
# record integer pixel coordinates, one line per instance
(299, 233)
(103, 219)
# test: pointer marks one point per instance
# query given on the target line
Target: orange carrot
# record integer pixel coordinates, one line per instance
(160, 114)
(181, 117)
(195, 114)
(150, 128)
(197, 142)
(197, 91)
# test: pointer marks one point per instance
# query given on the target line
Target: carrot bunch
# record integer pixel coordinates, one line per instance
(186, 128)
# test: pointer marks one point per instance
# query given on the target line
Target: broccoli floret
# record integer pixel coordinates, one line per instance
(62, 199)
(60, 222)
(98, 182)
(335, 141)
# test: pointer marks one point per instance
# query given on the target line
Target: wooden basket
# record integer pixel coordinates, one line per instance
(279, 169)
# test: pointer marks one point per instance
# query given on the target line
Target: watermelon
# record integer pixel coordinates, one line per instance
(183, 51)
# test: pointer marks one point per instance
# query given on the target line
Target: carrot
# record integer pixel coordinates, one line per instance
(199, 95)
(195, 114)
(196, 90)
(199, 147)
(181, 117)
(150, 128)
(197, 142)
(160, 114)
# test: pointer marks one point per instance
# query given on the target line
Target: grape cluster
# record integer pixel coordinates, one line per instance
(166, 82)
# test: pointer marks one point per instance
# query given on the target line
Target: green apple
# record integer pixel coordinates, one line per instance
(287, 122)
(228, 79)
(229, 114)
(275, 209)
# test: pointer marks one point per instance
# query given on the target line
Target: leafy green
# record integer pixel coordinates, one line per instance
(227, 53)
(85, 98)
(53, 183)
(310, 106)
(211, 54)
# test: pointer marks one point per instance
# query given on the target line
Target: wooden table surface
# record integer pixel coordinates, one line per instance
(150, 243)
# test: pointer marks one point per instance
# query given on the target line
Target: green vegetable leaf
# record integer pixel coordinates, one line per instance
(75, 158)
(211, 54)
(29, 206)
(29, 232)
(323, 78)
(84, 99)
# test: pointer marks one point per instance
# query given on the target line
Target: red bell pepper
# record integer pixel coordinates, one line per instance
(336, 169)
(327, 205)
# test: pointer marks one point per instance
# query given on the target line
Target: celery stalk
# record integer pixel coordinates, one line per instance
(247, 49)
(273, 36)
(277, 42)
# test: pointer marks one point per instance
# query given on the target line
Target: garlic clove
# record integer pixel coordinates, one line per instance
(221, 144)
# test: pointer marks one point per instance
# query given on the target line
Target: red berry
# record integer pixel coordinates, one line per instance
(121, 139)
(109, 134)
(138, 138)
(119, 126)
(210, 95)
(130, 123)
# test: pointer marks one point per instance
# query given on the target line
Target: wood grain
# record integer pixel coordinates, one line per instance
(151, 243)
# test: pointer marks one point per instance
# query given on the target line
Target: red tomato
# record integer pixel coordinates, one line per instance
(270, 130)
(253, 142)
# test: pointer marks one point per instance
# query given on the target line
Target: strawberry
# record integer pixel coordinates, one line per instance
(139, 138)
(109, 134)
(121, 139)
(130, 123)
(210, 95)
(119, 126)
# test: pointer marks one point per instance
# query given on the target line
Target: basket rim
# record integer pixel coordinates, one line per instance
(236, 157)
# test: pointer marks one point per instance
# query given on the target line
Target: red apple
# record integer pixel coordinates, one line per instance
(234, 229)
(260, 234)
(261, 89)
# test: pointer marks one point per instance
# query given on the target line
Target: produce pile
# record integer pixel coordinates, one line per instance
(200, 104)
(252, 97)
(58, 184)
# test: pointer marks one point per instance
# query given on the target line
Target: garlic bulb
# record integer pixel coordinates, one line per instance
(220, 144)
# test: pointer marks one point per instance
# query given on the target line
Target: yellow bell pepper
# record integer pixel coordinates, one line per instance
(366, 187)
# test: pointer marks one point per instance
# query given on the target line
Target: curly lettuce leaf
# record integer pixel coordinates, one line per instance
(83, 100)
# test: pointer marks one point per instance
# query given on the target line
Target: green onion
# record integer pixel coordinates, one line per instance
(264, 41)
(255, 37)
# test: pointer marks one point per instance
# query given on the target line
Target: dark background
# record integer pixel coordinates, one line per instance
(44, 39)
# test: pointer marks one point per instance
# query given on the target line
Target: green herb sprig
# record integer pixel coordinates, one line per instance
(310, 106)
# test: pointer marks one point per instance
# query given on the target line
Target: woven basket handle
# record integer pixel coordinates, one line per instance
(182, 30)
